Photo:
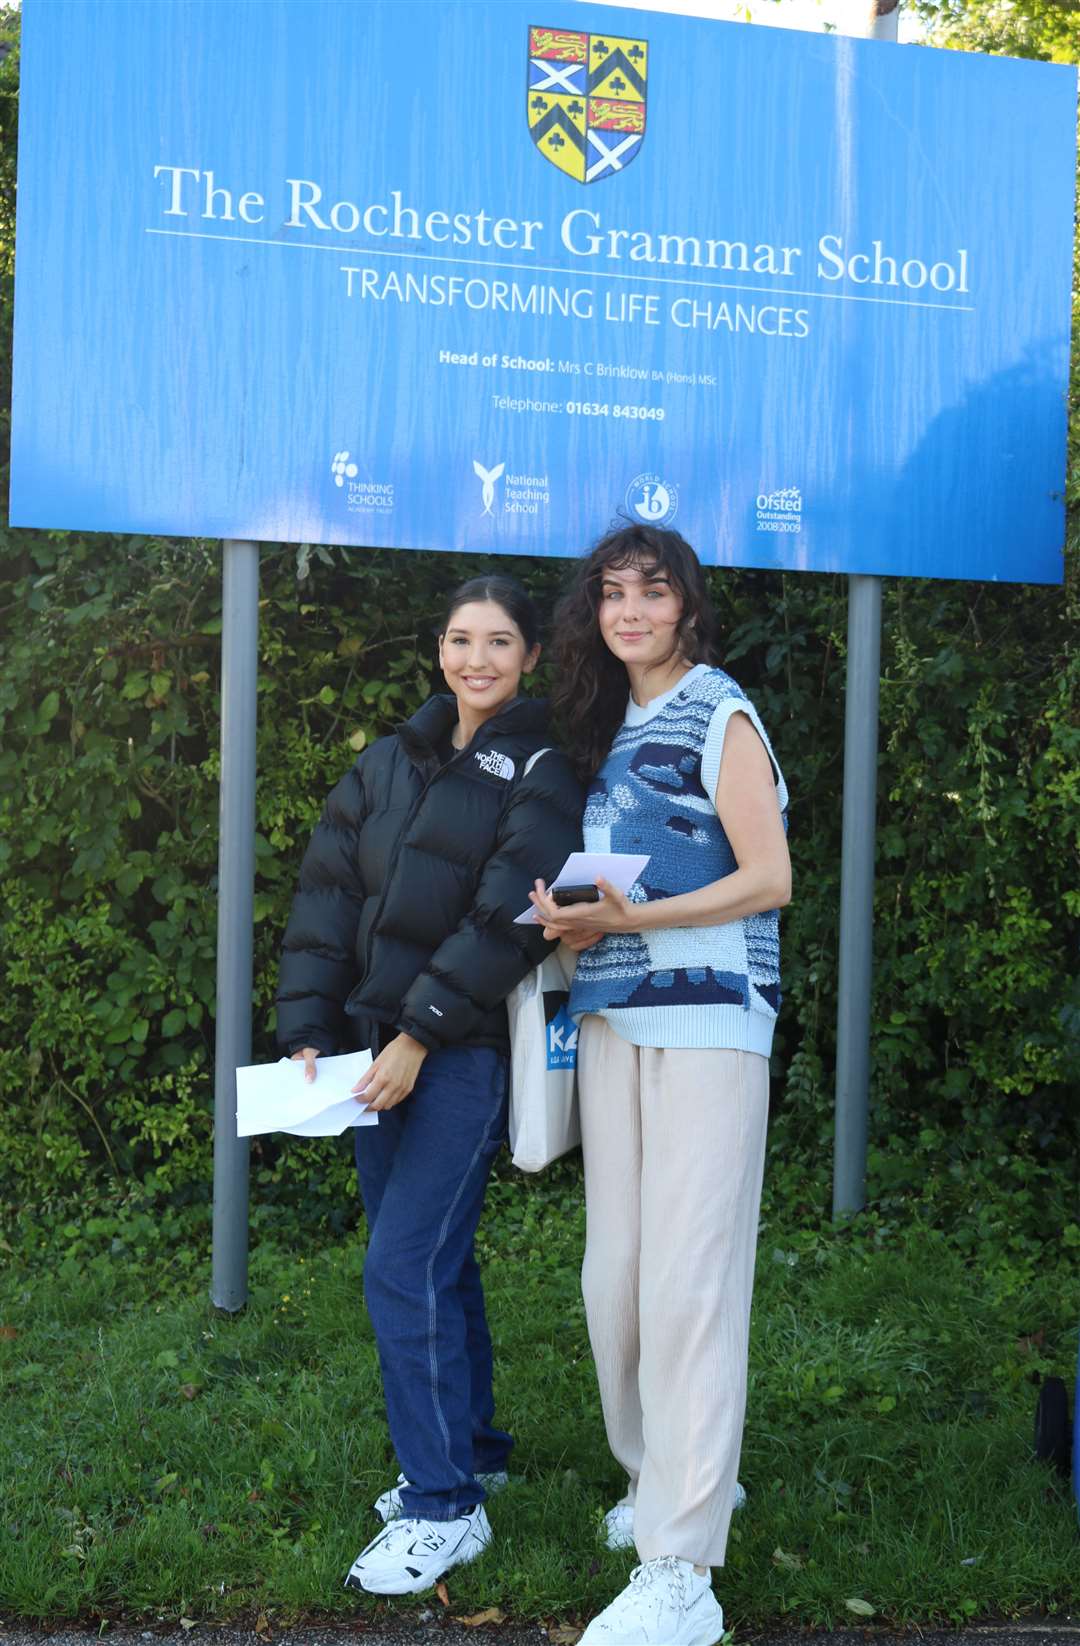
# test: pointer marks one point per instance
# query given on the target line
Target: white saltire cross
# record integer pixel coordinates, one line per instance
(608, 157)
(557, 78)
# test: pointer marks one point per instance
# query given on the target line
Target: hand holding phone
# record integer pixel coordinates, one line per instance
(565, 895)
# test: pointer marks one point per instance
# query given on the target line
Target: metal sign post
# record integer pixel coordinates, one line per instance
(857, 894)
(856, 967)
(236, 911)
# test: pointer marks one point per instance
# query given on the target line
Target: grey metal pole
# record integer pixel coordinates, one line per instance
(236, 910)
(855, 975)
(857, 893)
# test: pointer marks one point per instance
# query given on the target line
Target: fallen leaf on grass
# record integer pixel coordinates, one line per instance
(443, 1593)
(492, 1615)
(9, 1333)
(861, 1608)
(794, 1563)
(262, 1626)
(187, 1623)
(564, 1634)
(189, 1390)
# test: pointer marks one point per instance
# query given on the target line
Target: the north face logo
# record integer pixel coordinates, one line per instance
(496, 765)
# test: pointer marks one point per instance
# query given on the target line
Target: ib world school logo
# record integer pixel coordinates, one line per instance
(652, 499)
(586, 100)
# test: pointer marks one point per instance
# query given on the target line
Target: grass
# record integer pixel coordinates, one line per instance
(160, 1460)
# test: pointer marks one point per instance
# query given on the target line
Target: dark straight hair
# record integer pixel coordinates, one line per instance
(506, 592)
(589, 699)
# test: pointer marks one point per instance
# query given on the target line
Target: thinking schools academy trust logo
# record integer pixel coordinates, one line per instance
(651, 499)
(586, 100)
(361, 496)
(342, 469)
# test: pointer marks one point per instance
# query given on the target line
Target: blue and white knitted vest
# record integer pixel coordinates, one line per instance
(707, 986)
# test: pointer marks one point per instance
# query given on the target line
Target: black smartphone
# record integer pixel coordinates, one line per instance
(562, 895)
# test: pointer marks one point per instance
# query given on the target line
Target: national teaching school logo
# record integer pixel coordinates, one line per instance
(586, 100)
(487, 479)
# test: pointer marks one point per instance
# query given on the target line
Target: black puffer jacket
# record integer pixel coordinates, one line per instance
(409, 888)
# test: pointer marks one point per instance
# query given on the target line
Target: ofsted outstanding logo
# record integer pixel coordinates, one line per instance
(652, 500)
(780, 511)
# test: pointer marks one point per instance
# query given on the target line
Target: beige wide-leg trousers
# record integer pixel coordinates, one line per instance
(674, 1145)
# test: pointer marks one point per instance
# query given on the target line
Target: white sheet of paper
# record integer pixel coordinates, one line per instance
(275, 1097)
(585, 868)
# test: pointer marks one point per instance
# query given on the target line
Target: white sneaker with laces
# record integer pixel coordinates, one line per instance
(409, 1556)
(618, 1523)
(666, 1603)
(388, 1504)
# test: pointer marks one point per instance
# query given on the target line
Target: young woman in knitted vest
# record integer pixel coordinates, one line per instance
(676, 992)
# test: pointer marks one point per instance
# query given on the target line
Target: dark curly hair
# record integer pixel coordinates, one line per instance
(589, 698)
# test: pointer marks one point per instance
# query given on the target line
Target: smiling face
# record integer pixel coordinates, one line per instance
(483, 656)
(639, 614)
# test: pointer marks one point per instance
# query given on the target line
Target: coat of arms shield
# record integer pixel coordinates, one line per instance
(586, 100)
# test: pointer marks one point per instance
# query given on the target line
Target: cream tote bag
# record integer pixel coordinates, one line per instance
(544, 1120)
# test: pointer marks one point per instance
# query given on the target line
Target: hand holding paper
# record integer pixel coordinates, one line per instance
(582, 924)
(275, 1097)
(620, 869)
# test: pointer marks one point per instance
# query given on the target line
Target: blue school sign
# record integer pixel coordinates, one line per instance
(487, 275)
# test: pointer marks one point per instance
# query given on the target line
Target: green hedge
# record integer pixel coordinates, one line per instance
(108, 771)
(109, 708)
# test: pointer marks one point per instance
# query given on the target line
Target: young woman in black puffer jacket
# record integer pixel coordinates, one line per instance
(401, 938)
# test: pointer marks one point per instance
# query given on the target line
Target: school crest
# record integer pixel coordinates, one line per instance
(586, 100)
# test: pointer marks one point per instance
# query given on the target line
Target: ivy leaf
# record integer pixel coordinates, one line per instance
(46, 713)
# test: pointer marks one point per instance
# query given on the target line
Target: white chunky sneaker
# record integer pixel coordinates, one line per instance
(409, 1556)
(388, 1504)
(666, 1603)
(618, 1523)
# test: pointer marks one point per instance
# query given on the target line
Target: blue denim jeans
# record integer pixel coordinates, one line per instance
(423, 1171)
